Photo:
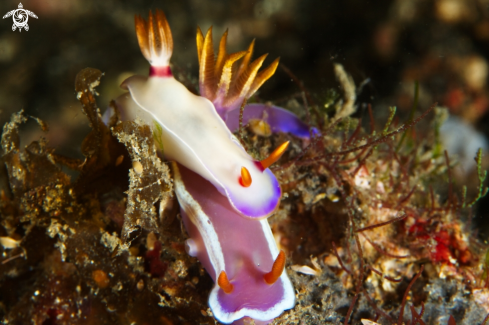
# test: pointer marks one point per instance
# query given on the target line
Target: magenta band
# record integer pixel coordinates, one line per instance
(160, 71)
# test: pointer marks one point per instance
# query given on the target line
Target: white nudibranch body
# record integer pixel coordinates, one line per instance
(194, 134)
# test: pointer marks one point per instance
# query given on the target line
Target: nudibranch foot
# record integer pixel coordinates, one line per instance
(191, 131)
(244, 249)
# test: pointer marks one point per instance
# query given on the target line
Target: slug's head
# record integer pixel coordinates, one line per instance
(230, 78)
(156, 42)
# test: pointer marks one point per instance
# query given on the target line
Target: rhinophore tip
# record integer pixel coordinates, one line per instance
(277, 269)
(224, 283)
(275, 155)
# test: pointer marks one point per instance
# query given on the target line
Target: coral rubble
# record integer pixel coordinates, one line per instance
(371, 219)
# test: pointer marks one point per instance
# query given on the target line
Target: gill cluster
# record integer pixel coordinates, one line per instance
(224, 80)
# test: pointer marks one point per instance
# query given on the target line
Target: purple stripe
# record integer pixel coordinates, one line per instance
(279, 119)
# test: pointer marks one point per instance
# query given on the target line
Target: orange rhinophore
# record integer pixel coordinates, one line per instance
(224, 283)
(275, 155)
(245, 179)
(277, 269)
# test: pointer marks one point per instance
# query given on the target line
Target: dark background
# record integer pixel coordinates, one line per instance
(442, 43)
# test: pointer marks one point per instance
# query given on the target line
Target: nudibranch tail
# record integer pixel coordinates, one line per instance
(219, 82)
(275, 155)
(277, 269)
(224, 283)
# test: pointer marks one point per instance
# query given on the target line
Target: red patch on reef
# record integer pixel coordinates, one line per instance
(419, 230)
(441, 254)
(154, 264)
(447, 248)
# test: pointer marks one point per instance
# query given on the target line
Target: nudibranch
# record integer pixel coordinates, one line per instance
(224, 194)
(193, 133)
